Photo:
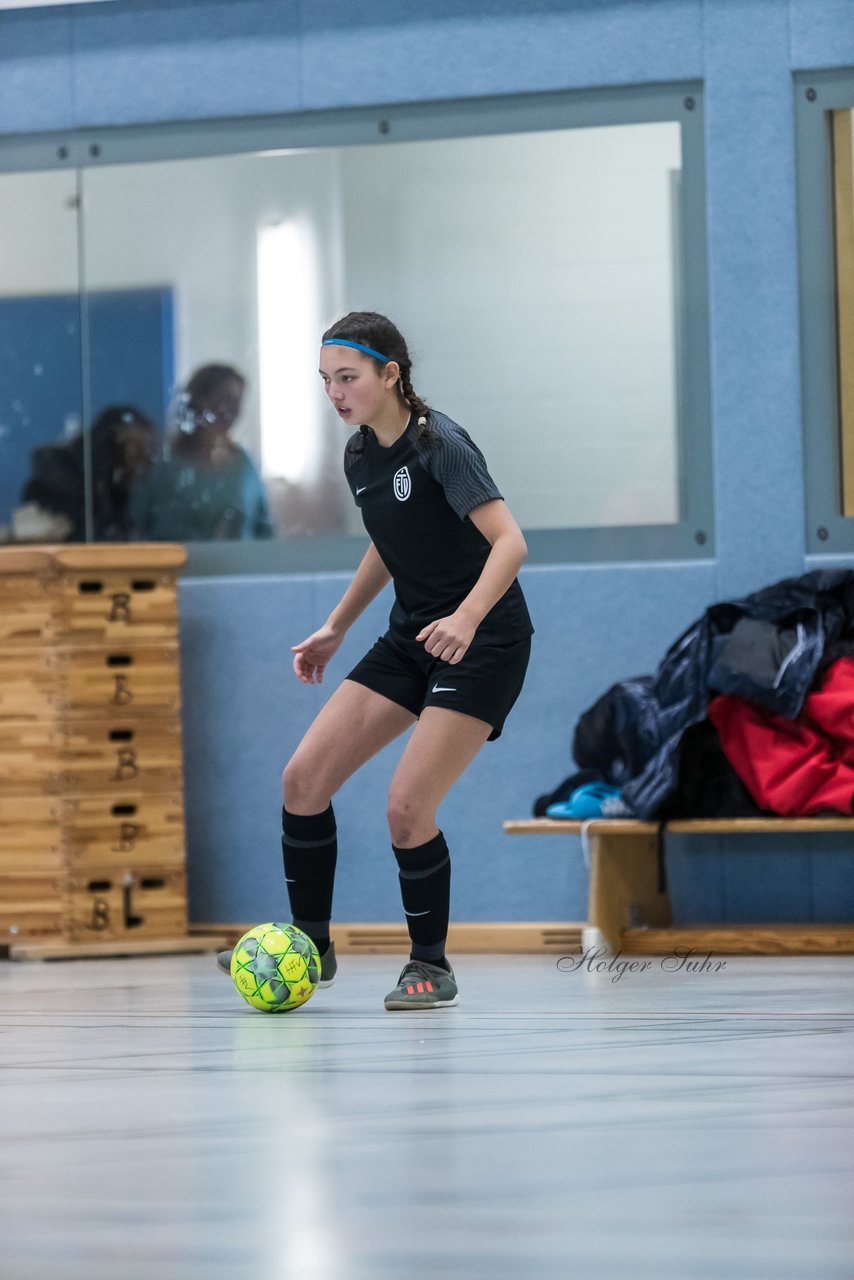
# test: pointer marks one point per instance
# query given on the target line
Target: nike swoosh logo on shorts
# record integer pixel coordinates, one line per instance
(441, 688)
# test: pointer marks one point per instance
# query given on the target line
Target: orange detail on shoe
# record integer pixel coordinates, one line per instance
(429, 985)
(421, 986)
(410, 991)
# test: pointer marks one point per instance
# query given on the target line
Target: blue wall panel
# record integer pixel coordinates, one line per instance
(36, 71)
(151, 60)
(441, 49)
(822, 34)
(163, 61)
(133, 362)
(239, 710)
(754, 303)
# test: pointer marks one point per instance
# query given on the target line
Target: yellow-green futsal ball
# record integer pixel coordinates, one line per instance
(275, 967)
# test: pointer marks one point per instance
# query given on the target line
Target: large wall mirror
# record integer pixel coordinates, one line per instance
(825, 170)
(843, 224)
(161, 319)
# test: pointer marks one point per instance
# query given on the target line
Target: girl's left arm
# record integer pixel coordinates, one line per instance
(449, 638)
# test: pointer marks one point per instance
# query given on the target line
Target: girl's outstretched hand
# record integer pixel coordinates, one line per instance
(447, 638)
(312, 655)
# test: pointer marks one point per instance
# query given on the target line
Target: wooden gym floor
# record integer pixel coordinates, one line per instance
(663, 1126)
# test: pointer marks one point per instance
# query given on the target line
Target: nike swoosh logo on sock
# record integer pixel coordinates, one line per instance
(443, 688)
(362, 490)
(416, 913)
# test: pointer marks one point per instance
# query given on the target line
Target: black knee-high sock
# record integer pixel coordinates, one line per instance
(425, 887)
(310, 851)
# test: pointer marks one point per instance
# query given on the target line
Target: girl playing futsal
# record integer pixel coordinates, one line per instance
(452, 661)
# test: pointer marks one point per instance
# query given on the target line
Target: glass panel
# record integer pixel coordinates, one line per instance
(843, 177)
(535, 276)
(208, 283)
(42, 448)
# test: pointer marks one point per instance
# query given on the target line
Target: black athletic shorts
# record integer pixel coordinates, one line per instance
(484, 683)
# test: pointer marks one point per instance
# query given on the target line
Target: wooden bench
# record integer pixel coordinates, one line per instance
(628, 907)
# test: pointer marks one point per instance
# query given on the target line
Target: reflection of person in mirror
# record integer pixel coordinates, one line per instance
(207, 486)
(116, 452)
(453, 659)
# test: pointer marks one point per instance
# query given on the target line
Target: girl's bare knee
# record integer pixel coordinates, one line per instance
(300, 788)
(407, 819)
(399, 816)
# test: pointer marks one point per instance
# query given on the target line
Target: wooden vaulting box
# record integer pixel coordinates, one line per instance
(91, 755)
(124, 828)
(107, 904)
(128, 605)
(137, 679)
(91, 803)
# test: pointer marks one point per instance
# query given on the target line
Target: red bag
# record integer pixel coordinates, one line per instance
(794, 767)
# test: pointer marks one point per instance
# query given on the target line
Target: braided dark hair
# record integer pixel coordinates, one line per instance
(374, 330)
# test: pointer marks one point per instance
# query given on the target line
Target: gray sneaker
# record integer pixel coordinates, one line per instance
(328, 965)
(423, 986)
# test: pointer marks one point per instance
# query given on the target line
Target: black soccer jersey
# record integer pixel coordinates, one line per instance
(415, 498)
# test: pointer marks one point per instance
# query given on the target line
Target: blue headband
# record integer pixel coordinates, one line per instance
(357, 346)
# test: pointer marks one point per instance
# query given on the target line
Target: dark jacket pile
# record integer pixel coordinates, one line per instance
(755, 691)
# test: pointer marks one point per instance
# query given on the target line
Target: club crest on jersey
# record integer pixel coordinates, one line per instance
(402, 484)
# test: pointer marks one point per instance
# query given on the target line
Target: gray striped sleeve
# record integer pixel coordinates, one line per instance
(453, 459)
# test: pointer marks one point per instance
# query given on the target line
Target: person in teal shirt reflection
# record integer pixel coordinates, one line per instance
(207, 487)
